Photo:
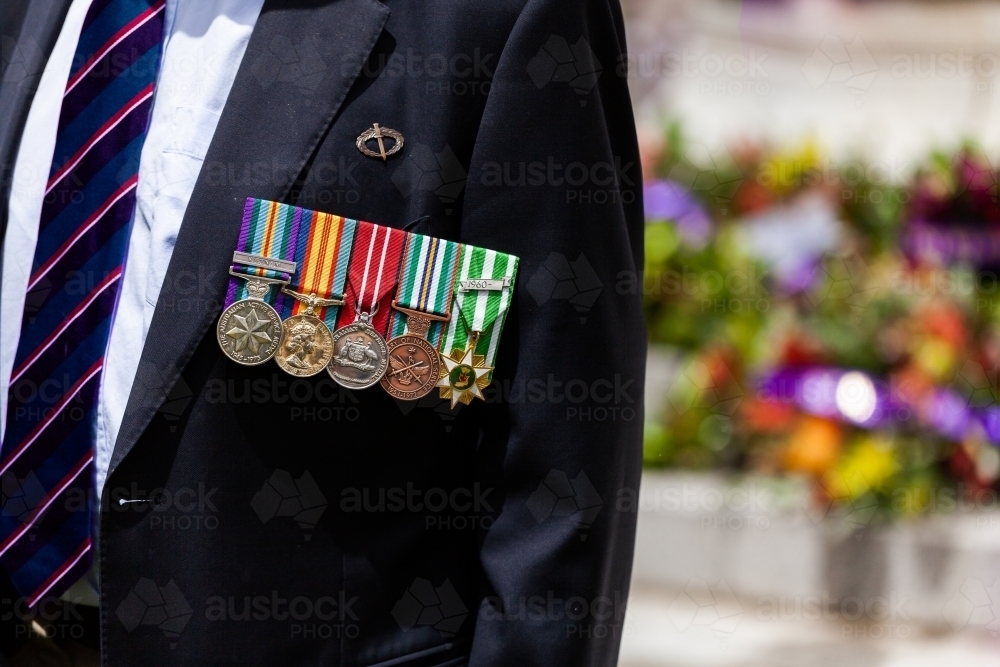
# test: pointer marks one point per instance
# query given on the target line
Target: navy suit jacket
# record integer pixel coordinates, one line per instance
(295, 523)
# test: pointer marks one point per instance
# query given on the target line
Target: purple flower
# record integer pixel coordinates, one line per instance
(990, 418)
(669, 200)
(948, 414)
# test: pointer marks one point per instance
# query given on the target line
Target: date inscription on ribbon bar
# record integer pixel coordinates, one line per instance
(485, 284)
(260, 262)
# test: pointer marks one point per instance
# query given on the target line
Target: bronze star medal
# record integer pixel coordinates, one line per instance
(250, 333)
(465, 375)
(249, 330)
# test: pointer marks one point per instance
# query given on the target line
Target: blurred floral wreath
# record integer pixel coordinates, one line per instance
(819, 321)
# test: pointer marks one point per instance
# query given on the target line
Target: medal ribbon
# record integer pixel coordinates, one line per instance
(270, 230)
(426, 281)
(481, 310)
(322, 254)
(371, 277)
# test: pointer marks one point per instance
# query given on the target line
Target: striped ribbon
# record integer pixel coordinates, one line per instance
(270, 230)
(481, 310)
(426, 281)
(319, 244)
(323, 255)
(374, 268)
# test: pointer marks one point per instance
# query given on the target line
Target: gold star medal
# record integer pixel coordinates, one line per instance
(483, 293)
(466, 374)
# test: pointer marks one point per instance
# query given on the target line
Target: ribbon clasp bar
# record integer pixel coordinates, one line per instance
(484, 284)
(261, 262)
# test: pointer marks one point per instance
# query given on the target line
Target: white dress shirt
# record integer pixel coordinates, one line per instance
(203, 45)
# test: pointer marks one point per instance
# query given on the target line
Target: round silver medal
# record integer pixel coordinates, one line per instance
(249, 332)
(360, 355)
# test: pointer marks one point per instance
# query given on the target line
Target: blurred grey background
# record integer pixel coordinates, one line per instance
(741, 572)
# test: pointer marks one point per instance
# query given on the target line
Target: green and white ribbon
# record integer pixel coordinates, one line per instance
(483, 293)
(426, 281)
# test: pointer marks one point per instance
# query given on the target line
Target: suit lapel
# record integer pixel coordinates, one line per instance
(299, 65)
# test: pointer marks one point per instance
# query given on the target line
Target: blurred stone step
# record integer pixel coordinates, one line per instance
(762, 540)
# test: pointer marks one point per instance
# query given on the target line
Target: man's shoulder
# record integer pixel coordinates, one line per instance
(439, 16)
(491, 22)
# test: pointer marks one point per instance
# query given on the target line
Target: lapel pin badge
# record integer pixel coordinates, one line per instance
(380, 134)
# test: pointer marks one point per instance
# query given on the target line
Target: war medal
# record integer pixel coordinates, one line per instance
(486, 278)
(423, 300)
(306, 343)
(465, 374)
(249, 328)
(323, 251)
(414, 363)
(337, 275)
(360, 355)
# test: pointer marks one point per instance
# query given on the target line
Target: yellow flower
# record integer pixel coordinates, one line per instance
(935, 357)
(787, 171)
(866, 466)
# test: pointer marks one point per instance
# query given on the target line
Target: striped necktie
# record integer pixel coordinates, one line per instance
(46, 458)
